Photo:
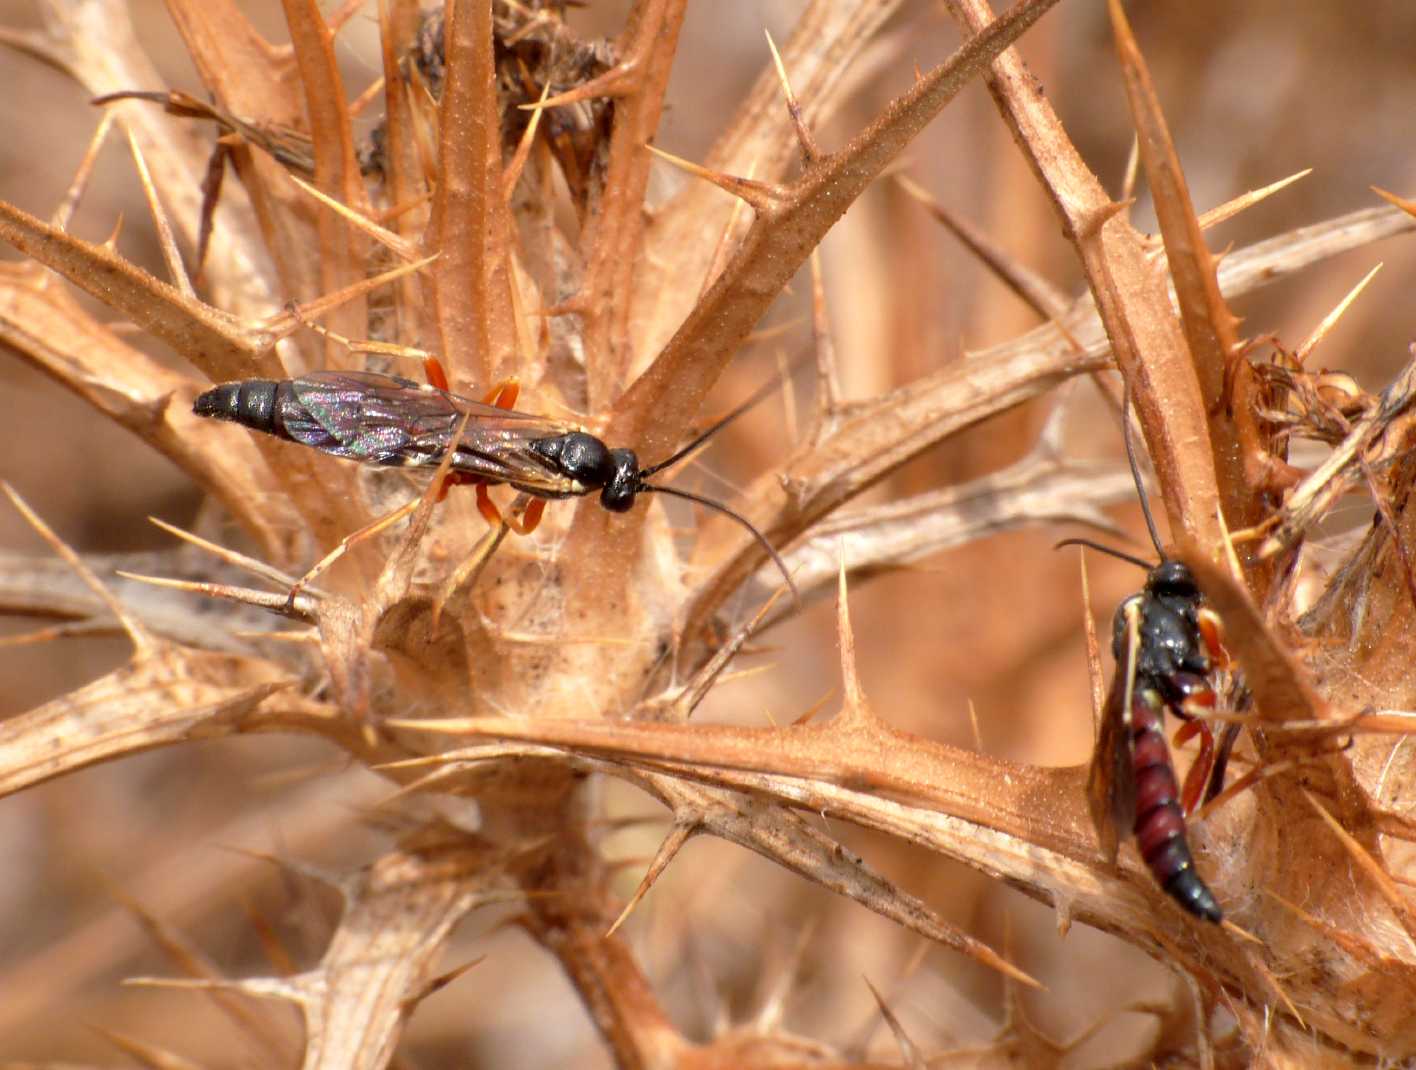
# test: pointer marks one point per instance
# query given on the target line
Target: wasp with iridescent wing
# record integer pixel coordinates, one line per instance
(1166, 646)
(386, 420)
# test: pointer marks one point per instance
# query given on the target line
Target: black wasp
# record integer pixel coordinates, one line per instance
(387, 420)
(1166, 645)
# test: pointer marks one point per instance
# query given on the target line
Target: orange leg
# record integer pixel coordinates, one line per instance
(488, 508)
(1199, 774)
(525, 524)
(504, 394)
(1263, 772)
(1214, 640)
(435, 373)
(455, 479)
(530, 517)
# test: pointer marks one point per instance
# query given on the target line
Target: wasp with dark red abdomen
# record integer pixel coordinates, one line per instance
(1166, 646)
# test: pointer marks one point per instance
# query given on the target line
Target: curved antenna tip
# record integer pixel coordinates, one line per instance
(710, 503)
(1110, 551)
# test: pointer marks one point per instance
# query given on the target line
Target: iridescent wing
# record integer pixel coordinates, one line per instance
(382, 419)
(1111, 781)
(363, 416)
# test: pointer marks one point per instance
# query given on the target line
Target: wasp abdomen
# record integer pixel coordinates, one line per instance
(251, 403)
(1160, 824)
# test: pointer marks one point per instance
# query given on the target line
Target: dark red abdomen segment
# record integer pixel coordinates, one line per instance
(1160, 824)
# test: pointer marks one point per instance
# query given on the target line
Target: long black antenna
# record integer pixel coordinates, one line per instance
(720, 507)
(1136, 472)
(763, 391)
(1140, 490)
(1110, 550)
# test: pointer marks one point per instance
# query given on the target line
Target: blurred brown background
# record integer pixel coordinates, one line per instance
(1253, 91)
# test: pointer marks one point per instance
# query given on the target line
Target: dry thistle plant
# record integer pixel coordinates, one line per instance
(494, 192)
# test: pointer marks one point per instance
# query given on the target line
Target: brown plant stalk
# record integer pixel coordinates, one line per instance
(517, 699)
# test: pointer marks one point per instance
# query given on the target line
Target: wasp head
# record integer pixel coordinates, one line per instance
(618, 493)
(1172, 581)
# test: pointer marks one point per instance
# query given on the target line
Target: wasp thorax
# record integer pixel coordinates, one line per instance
(578, 455)
(1172, 656)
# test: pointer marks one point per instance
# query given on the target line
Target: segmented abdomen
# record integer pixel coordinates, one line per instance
(1160, 824)
(272, 406)
(251, 403)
